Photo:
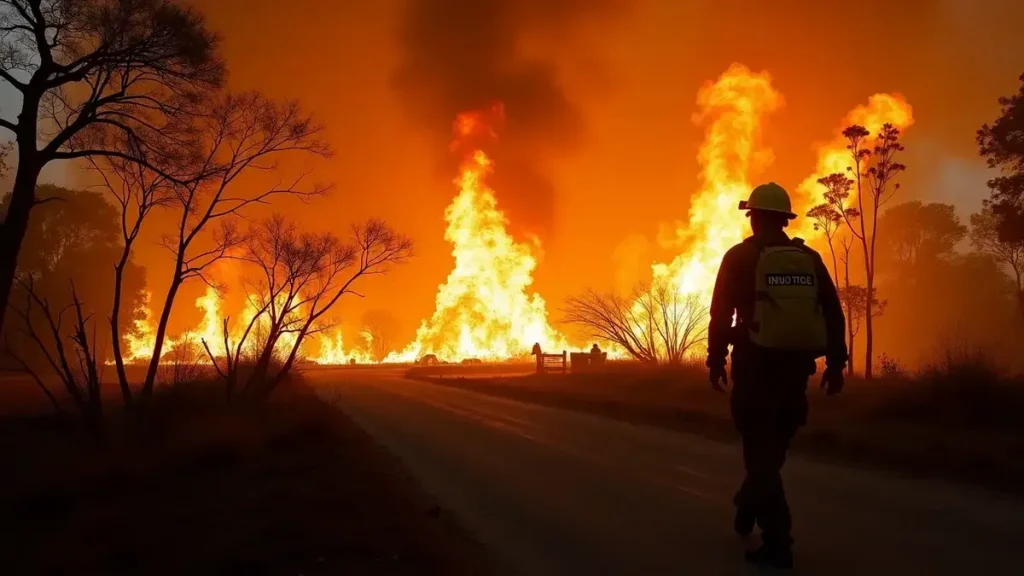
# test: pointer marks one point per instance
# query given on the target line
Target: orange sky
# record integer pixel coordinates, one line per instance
(634, 78)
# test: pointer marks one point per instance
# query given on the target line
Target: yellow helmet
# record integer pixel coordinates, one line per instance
(769, 197)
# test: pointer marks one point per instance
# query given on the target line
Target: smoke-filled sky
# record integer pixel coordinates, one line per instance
(599, 147)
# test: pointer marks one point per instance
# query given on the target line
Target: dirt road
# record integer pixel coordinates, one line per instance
(558, 492)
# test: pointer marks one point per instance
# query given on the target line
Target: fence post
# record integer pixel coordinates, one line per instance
(564, 365)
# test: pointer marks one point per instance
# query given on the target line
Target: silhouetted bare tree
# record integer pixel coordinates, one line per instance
(76, 366)
(846, 243)
(301, 276)
(654, 324)
(875, 170)
(89, 74)
(376, 248)
(136, 190)
(1006, 249)
(243, 133)
(610, 317)
(76, 238)
(830, 217)
(828, 221)
(853, 297)
(288, 262)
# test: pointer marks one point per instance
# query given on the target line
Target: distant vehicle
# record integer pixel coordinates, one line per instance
(428, 360)
(471, 361)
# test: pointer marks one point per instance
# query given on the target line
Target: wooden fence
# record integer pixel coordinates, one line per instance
(552, 363)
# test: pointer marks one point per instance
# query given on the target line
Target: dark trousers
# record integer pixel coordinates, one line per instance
(769, 404)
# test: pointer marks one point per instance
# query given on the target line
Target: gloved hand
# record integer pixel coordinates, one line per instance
(718, 377)
(832, 380)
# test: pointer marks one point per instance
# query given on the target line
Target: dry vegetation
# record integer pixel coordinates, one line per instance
(286, 486)
(958, 418)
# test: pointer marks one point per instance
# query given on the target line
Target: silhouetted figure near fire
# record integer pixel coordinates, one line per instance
(595, 350)
(787, 315)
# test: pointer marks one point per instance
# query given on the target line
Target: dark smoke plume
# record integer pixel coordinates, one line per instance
(461, 55)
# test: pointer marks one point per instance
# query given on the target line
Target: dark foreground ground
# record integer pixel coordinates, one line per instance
(961, 424)
(636, 478)
(293, 487)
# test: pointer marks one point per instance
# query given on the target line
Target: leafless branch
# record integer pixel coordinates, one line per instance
(655, 324)
(303, 275)
(81, 384)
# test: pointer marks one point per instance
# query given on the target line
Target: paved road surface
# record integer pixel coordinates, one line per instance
(558, 492)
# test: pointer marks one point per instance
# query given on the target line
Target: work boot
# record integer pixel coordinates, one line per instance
(769, 556)
(745, 520)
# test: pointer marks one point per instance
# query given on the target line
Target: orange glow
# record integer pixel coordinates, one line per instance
(485, 309)
(733, 108)
(833, 157)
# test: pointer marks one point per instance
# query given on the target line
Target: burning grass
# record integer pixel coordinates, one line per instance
(956, 419)
(288, 486)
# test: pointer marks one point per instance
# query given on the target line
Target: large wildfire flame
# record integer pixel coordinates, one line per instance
(484, 310)
(733, 107)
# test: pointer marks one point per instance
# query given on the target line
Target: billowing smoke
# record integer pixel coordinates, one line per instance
(461, 55)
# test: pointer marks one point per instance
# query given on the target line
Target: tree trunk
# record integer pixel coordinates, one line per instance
(262, 368)
(12, 231)
(869, 333)
(869, 273)
(115, 330)
(230, 383)
(868, 327)
(868, 263)
(299, 338)
(835, 264)
(849, 319)
(23, 196)
(161, 333)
